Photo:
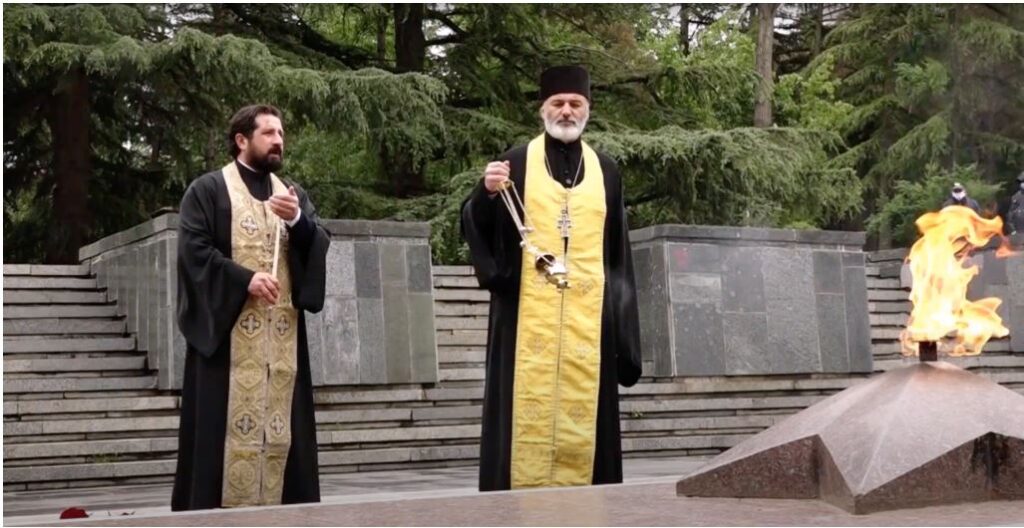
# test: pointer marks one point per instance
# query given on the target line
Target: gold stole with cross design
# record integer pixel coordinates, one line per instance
(264, 341)
(558, 338)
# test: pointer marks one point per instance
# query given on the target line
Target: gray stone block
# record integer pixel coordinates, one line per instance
(341, 269)
(742, 280)
(853, 259)
(90, 448)
(653, 306)
(694, 258)
(745, 336)
(367, 264)
(831, 311)
(699, 340)
(315, 345)
(696, 288)
(377, 227)
(397, 345)
(828, 272)
(418, 268)
(392, 265)
(372, 359)
(787, 275)
(422, 338)
(341, 343)
(858, 324)
(792, 344)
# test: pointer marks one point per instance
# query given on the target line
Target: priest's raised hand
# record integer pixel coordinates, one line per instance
(251, 263)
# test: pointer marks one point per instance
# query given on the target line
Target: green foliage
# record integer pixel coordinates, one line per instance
(911, 199)
(744, 176)
(896, 88)
(930, 84)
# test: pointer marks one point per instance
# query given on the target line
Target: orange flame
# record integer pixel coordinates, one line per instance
(939, 292)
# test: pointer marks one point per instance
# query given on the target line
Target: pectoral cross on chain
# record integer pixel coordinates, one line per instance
(564, 222)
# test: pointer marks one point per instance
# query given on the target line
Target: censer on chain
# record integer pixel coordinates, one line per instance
(553, 269)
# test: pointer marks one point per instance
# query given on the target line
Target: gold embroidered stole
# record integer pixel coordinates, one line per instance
(558, 339)
(263, 358)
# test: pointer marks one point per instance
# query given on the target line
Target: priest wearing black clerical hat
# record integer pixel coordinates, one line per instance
(563, 331)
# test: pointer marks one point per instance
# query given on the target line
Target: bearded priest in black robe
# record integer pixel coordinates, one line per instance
(563, 331)
(251, 259)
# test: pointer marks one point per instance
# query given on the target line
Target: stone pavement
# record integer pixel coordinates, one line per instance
(42, 507)
(652, 503)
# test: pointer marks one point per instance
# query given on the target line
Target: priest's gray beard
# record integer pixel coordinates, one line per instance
(566, 131)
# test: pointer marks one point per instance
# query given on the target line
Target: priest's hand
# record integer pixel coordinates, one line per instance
(285, 205)
(264, 286)
(495, 175)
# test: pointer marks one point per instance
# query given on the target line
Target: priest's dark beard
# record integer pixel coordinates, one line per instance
(266, 164)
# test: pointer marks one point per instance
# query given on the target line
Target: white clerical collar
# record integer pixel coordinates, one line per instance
(242, 163)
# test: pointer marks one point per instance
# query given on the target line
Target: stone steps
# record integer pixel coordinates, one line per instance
(75, 365)
(49, 283)
(95, 425)
(54, 297)
(60, 311)
(64, 385)
(76, 344)
(46, 270)
(462, 295)
(40, 409)
(99, 430)
(63, 326)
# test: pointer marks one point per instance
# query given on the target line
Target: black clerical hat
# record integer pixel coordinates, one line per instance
(564, 79)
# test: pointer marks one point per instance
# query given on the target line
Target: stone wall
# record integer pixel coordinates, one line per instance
(749, 301)
(138, 268)
(377, 326)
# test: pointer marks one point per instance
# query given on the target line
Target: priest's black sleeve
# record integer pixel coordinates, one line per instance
(622, 286)
(307, 257)
(211, 287)
(479, 231)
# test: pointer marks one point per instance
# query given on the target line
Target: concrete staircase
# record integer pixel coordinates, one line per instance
(91, 416)
(77, 394)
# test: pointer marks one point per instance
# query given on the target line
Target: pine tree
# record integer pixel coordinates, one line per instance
(113, 109)
(930, 84)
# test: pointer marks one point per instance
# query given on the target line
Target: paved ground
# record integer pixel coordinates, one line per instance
(31, 507)
(653, 503)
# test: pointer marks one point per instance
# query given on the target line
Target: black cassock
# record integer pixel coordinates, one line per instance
(211, 292)
(497, 259)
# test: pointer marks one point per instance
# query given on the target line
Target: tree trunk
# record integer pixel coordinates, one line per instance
(684, 28)
(763, 61)
(68, 119)
(410, 42)
(406, 179)
(818, 21)
(382, 38)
